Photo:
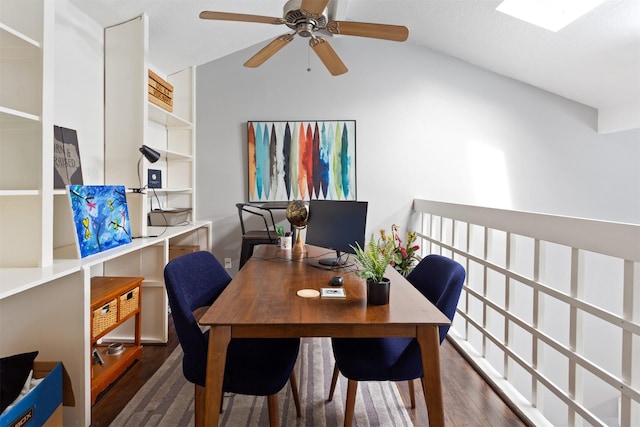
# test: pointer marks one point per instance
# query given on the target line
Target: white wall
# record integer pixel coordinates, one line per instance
(79, 89)
(427, 126)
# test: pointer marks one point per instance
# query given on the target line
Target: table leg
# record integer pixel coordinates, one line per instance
(429, 342)
(219, 337)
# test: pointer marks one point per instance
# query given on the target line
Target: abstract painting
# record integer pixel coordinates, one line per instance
(101, 217)
(291, 160)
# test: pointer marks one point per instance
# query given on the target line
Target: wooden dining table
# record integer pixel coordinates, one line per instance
(262, 301)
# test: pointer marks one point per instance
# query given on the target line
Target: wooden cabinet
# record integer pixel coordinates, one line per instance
(131, 120)
(114, 300)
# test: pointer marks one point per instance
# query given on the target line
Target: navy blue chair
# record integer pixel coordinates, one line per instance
(259, 367)
(440, 280)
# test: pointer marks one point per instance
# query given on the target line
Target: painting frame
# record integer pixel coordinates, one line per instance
(101, 217)
(301, 160)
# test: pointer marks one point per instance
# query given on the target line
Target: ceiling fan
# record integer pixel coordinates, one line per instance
(305, 18)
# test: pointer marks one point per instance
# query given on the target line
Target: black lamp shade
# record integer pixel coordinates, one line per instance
(149, 153)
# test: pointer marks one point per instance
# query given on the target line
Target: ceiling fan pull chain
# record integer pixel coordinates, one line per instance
(309, 58)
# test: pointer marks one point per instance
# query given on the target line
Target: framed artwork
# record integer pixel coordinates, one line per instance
(66, 158)
(100, 216)
(290, 160)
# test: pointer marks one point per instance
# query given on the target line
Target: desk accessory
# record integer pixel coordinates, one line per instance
(308, 293)
(97, 356)
(285, 242)
(333, 293)
(297, 215)
(168, 217)
(115, 348)
(336, 281)
(154, 178)
(152, 156)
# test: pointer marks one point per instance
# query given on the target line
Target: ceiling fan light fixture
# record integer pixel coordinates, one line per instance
(306, 29)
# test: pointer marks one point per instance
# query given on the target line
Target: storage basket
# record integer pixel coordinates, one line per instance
(129, 302)
(104, 317)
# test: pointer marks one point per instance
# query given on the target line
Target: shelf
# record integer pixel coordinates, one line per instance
(20, 279)
(153, 284)
(173, 155)
(16, 280)
(13, 39)
(11, 116)
(171, 190)
(114, 366)
(19, 193)
(165, 118)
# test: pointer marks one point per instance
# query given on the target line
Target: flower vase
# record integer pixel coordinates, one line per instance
(378, 292)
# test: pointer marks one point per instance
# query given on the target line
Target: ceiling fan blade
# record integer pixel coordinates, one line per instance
(268, 51)
(396, 33)
(241, 17)
(315, 7)
(328, 56)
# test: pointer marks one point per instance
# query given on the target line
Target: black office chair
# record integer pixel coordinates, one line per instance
(440, 280)
(251, 238)
(254, 366)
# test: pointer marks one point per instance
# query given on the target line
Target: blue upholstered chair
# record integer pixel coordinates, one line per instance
(440, 280)
(258, 367)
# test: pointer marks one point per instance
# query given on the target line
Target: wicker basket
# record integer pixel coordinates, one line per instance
(104, 317)
(129, 302)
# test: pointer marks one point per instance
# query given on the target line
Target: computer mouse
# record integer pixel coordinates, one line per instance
(336, 281)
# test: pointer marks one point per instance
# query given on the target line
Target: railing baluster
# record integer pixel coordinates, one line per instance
(538, 323)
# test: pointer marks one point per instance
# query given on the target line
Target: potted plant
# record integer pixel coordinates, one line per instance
(404, 253)
(374, 259)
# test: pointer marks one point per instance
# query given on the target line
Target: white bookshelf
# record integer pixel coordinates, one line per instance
(131, 121)
(44, 284)
(26, 132)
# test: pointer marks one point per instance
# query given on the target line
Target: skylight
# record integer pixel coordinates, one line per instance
(552, 15)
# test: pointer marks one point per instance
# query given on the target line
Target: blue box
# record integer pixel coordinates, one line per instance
(42, 406)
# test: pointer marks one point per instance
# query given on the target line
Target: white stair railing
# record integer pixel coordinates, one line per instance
(550, 311)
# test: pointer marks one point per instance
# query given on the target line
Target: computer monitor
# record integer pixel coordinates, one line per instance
(336, 225)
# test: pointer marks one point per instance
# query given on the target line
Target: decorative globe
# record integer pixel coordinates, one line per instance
(298, 213)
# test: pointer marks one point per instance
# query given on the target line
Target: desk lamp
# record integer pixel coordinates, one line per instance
(152, 156)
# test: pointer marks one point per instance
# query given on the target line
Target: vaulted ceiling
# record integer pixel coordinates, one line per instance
(594, 60)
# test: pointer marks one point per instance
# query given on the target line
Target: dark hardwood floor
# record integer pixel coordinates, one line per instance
(468, 400)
